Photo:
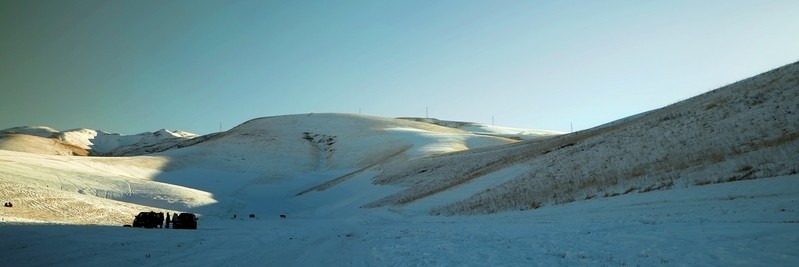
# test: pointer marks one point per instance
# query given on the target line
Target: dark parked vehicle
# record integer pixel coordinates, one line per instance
(185, 221)
(149, 220)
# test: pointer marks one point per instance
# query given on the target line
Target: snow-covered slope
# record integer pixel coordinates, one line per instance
(747, 130)
(298, 152)
(91, 142)
(93, 190)
(40, 145)
(327, 141)
(492, 130)
(272, 159)
(708, 181)
(100, 143)
(103, 143)
(40, 131)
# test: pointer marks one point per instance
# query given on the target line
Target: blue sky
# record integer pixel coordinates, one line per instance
(136, 66)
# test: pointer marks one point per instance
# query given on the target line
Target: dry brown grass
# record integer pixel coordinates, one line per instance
(730, 134)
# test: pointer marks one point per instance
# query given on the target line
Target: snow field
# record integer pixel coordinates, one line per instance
(743, 223)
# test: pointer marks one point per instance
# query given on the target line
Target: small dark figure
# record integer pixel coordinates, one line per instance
(252, 215)
(234, 216)
(8, 205)
(167, 220)
(283, 216)
(161, 220)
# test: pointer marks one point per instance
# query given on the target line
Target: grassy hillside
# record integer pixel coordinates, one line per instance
(39, 145)
(746, 130)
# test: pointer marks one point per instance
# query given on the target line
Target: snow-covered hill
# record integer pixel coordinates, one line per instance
(40, 145)
(746, 130)
(711, 180)
(313, 142)
(90, 142)
(102, 143)
(40, 131)
(238, 167)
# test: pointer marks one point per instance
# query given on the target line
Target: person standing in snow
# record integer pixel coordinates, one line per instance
(167, 220)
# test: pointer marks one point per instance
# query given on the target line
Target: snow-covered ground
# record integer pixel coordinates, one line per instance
(71, 208)
(747, 223)
(710, 181)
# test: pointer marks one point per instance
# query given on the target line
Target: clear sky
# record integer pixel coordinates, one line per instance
(135, 66)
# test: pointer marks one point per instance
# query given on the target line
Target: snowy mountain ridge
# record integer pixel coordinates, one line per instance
(101, 143)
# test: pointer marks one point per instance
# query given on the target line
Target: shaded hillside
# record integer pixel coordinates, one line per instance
(746, 130)
(490, 130)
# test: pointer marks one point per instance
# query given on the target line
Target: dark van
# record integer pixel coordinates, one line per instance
(185, 221)
(148, 220)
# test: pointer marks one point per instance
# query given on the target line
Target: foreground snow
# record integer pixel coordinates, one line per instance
(744, 223)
